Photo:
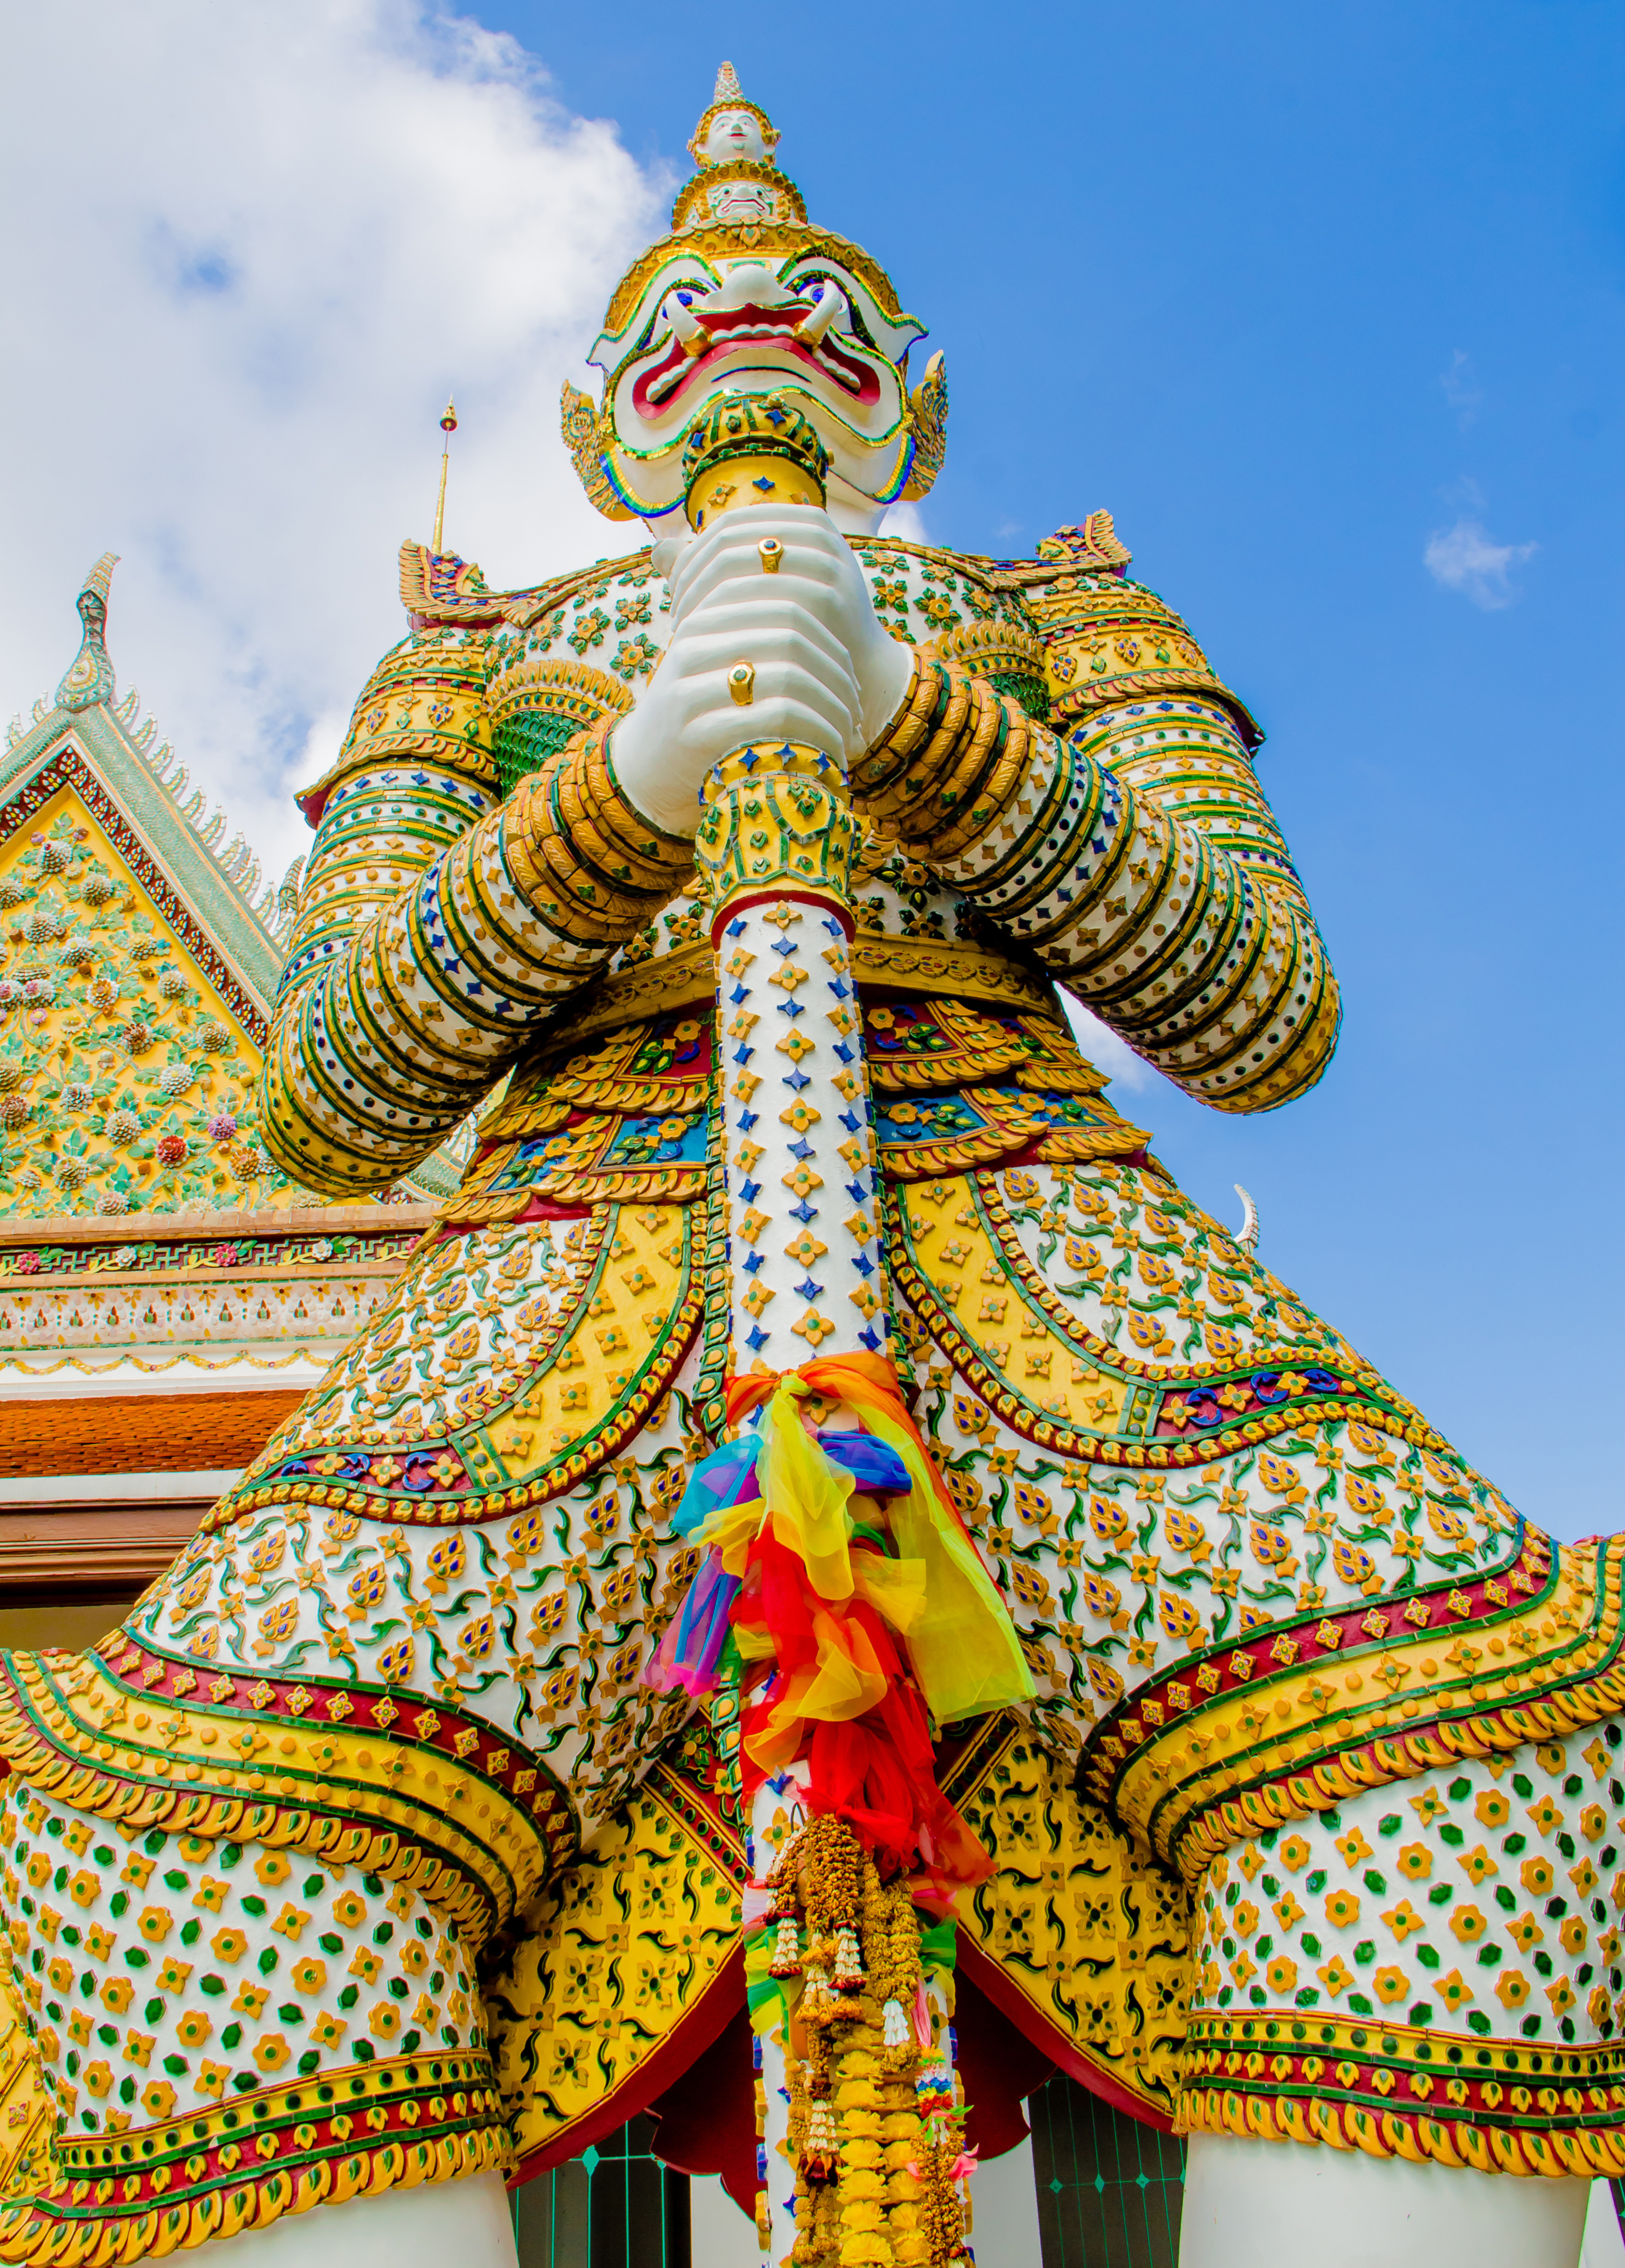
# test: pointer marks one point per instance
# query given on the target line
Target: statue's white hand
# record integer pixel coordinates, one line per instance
(824, 667)
(821, 566)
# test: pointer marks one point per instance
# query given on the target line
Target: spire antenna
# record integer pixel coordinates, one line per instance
(448, 426)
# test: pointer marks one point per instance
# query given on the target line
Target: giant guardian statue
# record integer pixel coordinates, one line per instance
(825, 1523)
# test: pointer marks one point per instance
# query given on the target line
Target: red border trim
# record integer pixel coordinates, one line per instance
(791, 896)
(1011, 2003)
(663, 2067)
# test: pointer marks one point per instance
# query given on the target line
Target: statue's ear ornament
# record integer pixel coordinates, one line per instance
(928, 409)
(587, 436)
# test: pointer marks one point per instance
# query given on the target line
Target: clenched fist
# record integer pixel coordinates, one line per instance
(826, 674)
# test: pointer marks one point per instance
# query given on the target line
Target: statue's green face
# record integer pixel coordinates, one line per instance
(808, 326)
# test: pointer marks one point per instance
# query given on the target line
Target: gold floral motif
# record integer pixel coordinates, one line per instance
(121, 1058)
(1092, 1932)
(621, 1950)
(596, 1368)
(25, 2137)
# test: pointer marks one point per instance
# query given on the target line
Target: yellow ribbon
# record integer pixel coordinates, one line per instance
(960, 1638)
(963, 1647)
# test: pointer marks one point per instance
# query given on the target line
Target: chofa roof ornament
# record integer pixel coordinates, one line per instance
(89, 677)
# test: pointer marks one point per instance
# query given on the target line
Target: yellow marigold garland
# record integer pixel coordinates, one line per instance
(875, 2127)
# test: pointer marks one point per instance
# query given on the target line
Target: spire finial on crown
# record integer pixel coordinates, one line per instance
(100, 578)
(448, 426)
(728, 87)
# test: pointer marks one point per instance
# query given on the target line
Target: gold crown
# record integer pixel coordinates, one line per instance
(779, 201)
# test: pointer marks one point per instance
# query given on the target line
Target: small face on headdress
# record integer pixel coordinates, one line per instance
(733, 131)
(734, 134)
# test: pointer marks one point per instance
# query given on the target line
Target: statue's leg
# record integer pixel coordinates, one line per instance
(468, 2222)
(1277, 2204)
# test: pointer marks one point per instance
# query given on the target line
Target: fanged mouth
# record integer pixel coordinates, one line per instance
(719, 335)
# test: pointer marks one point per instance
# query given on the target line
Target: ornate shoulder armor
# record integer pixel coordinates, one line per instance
(422, 705)
(1107, 639)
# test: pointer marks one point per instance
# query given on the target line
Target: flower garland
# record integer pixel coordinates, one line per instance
(875, 2119)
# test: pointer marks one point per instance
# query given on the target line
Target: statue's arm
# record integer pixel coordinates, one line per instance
(1139, 857)
(438, 922)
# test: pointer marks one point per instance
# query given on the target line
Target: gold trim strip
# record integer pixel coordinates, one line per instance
(1560, 2153)
(1178, 1790)
(682, 980)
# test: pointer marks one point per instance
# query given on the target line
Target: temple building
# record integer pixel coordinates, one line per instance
(166, 1297)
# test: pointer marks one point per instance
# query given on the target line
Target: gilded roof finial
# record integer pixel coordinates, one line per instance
(448, 426)
(90, 675)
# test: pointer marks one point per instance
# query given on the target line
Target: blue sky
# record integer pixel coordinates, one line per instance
(1295, 291)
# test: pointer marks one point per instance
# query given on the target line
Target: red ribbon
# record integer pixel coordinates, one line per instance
(877, 1771)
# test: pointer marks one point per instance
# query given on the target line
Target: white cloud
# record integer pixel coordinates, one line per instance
(251, 249)
(1463, 558)
(906, 521)
(1105, 1050)
(1461, 388)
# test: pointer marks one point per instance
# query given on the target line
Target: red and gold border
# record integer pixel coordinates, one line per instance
(506, 1769)
(476, 1848)
(146, 2193)
(1240, 1760)
(1394, 2091)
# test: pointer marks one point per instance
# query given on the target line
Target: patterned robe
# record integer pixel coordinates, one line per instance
(363, 1855)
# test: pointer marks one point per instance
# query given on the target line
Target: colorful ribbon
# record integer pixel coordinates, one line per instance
(861, 1645)
(962, 1646)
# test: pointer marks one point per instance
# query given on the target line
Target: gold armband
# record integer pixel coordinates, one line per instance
(949, 764)
(582, 838)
